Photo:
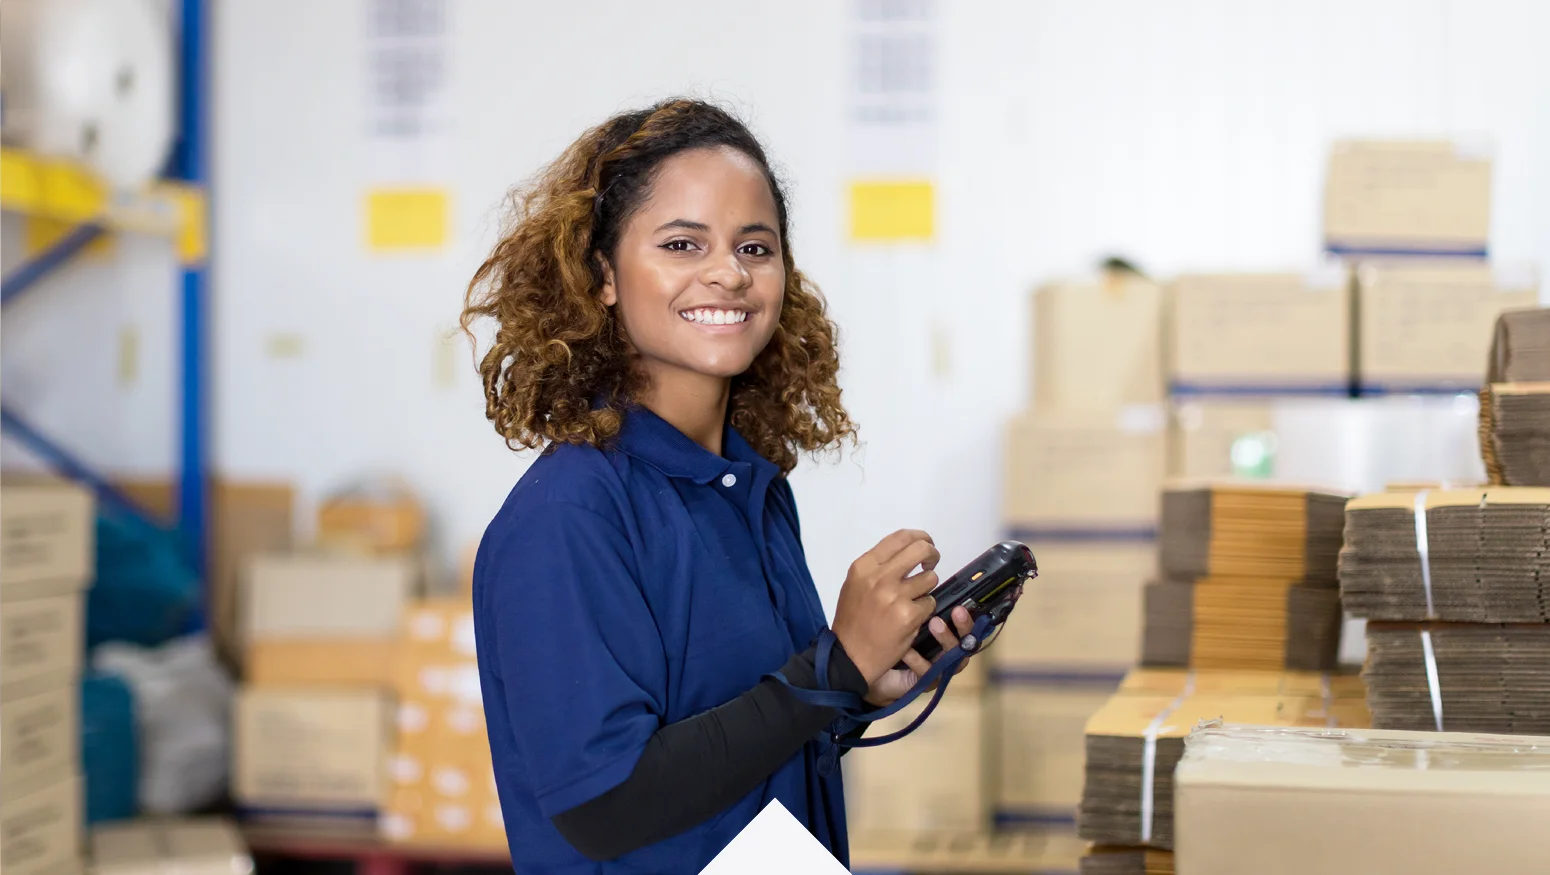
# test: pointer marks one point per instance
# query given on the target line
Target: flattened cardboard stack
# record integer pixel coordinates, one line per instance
(1515, 403)
(1454, 585)
(1492, 677)
(1488, 556)
(1125, 803)
(1520, 347)
(1515, 421)
(1290, 802)
(1248, 579)
(1105, 860)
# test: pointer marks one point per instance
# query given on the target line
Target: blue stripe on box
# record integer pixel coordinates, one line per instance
(1262, 390)
(1467, 252)
(1034, 817)
(1374, 390)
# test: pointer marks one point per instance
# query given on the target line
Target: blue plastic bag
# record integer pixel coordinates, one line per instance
(144, 592)
(110, 748)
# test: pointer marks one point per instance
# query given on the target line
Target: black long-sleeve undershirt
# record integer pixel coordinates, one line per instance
(694, 769)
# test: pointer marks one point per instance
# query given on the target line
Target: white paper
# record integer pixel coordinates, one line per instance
(408, 103)
(774, 843)
(891, 105)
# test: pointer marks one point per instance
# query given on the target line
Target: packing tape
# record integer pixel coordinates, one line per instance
(1149, 756)
(1423, 549)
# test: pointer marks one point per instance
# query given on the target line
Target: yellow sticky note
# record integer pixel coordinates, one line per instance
(411, 218)
(892, 210)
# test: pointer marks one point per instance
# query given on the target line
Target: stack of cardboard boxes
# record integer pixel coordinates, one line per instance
(1084, 468)
(443, 782)
(1405, 308)
(314, 723)
(46, 563)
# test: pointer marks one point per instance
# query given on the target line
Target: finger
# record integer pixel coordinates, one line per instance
(917, 585)
(922, 553)
(943, 635)
(916, 664)
(963, 620)
(923, 608)
(890, 546)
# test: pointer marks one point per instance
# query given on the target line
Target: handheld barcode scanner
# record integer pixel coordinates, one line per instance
(989, 587)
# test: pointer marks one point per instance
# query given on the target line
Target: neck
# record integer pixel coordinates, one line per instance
(692, 403)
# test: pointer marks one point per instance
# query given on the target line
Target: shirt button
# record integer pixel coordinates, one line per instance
(729, 481)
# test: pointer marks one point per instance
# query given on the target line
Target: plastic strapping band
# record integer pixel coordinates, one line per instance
(1149, 756)
(1329, 701)
(1423, 549)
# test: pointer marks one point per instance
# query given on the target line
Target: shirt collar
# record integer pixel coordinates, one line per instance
(652, 439)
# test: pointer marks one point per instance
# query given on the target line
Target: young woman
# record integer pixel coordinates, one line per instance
(654, 337)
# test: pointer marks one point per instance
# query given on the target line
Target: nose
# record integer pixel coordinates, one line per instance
(727, 272)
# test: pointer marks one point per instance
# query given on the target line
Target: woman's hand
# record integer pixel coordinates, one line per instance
(898, 681)
(882, 604)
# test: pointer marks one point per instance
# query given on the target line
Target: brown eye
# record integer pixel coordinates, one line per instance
(758, 250)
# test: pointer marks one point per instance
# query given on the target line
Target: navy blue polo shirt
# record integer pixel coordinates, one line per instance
(621, 590)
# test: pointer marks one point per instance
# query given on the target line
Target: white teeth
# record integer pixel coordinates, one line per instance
(709, 316)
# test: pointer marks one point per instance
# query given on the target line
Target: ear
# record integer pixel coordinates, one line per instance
(609, 294)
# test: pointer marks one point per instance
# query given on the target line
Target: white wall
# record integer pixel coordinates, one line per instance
(1183, 134)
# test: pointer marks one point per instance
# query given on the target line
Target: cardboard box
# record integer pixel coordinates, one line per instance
(47, 537)
(931, 780)
(1084, 474)
(325, 619)
(380, 524)
(438, 802)
(40, 832)
(1407, 196)
(1253, 799)
(1428, 325)
(246, 518)
(1097, 346)
(332, 662)
(41, 644)
(313, 749)
(999, 853)
(419, 817)
(40, 734)
(1083, 614)
(186, 846)
(1040, 745)
(465, 571)
(1262, 332)
(436, 732)
(324, 597)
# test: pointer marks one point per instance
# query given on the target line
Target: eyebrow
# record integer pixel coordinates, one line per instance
(688, 225)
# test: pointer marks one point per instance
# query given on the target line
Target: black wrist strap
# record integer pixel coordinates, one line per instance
(852, 709)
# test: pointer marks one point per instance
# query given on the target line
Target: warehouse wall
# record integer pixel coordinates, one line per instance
(1187, 135)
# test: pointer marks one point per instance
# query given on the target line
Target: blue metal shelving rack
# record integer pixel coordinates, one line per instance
(176, 209)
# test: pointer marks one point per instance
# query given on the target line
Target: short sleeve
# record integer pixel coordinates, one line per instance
(575, 649)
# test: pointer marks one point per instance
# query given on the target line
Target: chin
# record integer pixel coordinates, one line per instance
(723, 369)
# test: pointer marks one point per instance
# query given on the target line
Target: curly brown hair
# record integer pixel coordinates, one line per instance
(560, 367)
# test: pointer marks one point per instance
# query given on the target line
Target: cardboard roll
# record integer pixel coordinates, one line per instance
(90, 81)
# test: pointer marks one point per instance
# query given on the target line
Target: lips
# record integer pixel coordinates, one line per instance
(714, 316)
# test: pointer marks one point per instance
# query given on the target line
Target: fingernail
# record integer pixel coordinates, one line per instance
(937, 625)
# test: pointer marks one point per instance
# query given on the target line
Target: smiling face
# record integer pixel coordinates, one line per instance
(697, 277)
